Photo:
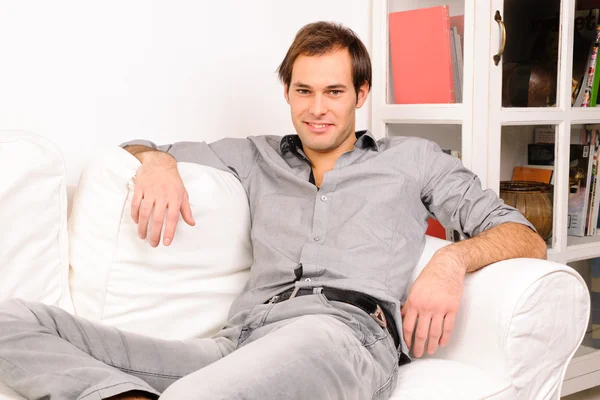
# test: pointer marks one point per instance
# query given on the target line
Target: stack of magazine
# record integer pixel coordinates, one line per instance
(585, 86)
(584, 201)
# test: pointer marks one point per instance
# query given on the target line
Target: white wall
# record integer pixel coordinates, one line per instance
(89, 74)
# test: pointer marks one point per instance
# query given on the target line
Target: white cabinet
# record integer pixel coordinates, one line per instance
(502, 105)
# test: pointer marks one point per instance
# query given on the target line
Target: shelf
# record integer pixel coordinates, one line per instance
(421, 113)
(585, 115)
(583, 371)
(532, 116)
(581, 248)
(548, 115)
(583, 241)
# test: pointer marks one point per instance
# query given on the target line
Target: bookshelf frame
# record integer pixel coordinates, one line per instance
(481, 117)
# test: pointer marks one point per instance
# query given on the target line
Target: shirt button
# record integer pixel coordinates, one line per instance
(316, 238)
(307, 280)
(323, 198)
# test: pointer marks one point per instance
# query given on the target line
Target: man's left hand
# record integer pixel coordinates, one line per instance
(432, 303)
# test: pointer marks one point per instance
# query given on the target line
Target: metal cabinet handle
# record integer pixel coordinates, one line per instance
(498, 19)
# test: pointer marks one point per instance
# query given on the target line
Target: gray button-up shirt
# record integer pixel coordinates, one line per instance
(364, 229)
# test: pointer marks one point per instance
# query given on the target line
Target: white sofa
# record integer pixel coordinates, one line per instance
(519, 324)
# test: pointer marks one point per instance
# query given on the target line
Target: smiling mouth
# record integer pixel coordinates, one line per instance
(318, 126)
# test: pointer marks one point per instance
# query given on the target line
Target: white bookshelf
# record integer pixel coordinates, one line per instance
(477, 124)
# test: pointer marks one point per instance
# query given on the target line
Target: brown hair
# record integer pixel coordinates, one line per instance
(322, 37)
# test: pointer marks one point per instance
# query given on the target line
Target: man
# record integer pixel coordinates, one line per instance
(338, 222)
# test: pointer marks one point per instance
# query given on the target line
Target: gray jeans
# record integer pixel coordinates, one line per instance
(303, 348)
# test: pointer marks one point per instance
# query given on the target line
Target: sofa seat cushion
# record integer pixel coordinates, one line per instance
(426, 379)
(434, 379)
(33, 239)
(176, 292)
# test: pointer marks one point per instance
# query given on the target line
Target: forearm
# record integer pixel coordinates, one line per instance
(144, 153)
(235, 152)
(505, 241)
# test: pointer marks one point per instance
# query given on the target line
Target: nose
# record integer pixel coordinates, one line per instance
(318, 106)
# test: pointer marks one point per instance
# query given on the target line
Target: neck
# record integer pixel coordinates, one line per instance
(325, 160)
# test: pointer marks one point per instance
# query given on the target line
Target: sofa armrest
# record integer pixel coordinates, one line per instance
(521, 320)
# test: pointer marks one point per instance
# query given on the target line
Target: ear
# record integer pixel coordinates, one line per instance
(362, 94)
(286, 93)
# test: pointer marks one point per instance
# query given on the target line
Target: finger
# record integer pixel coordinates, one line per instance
(421, 333)
(448, 328)
(144, 216)
(186, 211)
(408, 324)
(135, 204)
(158, 219)
(403, 310)
(435, 332)
(171, 224)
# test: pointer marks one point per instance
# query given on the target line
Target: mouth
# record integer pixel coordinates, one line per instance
(318, 127)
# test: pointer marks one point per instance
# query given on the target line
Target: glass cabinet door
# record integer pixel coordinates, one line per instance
(528, 50)
(585, 54)
(426, 51)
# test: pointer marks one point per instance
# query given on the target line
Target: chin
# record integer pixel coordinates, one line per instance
(319, 146)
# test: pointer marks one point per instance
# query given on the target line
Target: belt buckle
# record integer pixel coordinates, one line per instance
(277, 297)
(379, 316)
(294, 293)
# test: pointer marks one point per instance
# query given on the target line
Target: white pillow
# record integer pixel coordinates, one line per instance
(175, 292)
(33, 239)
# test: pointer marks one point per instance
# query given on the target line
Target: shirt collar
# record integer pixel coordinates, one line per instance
(364, 140)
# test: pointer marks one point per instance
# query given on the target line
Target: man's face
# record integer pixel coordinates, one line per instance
(323, 101)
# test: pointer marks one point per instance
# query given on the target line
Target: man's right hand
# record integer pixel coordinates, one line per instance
(159, 190)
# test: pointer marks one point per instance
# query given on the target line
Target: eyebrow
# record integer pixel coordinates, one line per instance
(328, 87)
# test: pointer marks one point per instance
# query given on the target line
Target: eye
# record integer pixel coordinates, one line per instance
(302, 91)
(336, 92)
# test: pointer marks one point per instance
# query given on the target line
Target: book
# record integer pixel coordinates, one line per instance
(596, 80)
(545, 134)
(531, 173)
(589, 226)
(435, 229)
(580, 168)
(579, 99)
(579, 187)
(455, 80)
(583, 136)
(459, 65)
(458, 22)
(586, 22)
(421, 59)
(595, 218)
(595, 186)
(591, 72)
(549, 167)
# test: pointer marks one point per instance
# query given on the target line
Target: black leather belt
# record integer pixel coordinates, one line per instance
(365, 302)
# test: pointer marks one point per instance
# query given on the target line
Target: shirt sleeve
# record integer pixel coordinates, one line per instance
(454, 196)
(236, 156)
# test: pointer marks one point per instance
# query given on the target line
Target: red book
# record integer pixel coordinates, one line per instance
(435, 229)
(421, 52)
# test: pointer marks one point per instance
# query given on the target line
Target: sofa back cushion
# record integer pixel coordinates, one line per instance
(33, 239)
(175, 292)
